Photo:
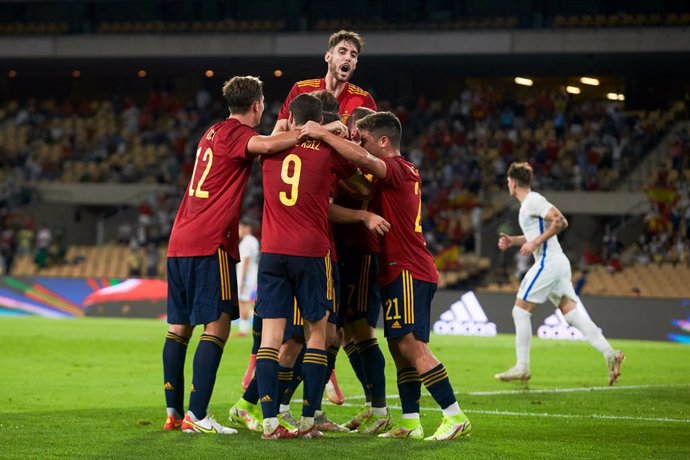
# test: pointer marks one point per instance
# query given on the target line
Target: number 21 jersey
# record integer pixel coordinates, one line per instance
(399, 200)
(209, 214)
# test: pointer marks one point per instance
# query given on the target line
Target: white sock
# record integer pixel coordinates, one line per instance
(379, 411)
(191, 415)
(270, 424)
(306, 421)
(244, 326)
(523, 335)
(170, 412)
(318, 413)
(367, 404)
(453, 409)
(590, 330)
(413, 415)
(284, 408)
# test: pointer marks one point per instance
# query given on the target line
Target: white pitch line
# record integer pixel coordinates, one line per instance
(547, 415)
(550, 390)
(571, 390)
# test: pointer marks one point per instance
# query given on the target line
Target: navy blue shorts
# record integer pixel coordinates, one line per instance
(283, 278)
(361, 297)
(294, 328)
(407, 307)
(337, 317)
(201, 288)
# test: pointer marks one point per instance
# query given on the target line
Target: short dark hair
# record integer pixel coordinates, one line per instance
(241, 92)
(330, 103)
(329, 117)
(382, 124)
(306, 107)
(521, 172)
(348, 36)
(357, 114)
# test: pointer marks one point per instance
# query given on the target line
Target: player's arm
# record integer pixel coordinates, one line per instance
(373, 222)
(349, 150)
(268, 145)
(558, 224)
(359, 184)
(505, 241)
(281, 126)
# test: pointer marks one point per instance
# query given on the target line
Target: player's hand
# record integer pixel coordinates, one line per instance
(528, 248)
(504, 241)
(376, 223)
(338, 128)
(312, 130)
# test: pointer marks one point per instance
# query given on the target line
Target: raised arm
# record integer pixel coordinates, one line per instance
(268, 145)
(349, 150)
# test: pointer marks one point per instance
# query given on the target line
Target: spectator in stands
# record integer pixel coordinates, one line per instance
(135, 261)
(44, 238)
(152, 259)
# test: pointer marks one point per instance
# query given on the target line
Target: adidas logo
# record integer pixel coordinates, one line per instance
(192, 387)
(305, 403)
(556, 327)
(396, 325)
(465, 317)
(168, 386)
(266, 398)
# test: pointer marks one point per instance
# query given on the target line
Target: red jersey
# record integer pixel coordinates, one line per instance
(209, 214)
(350, 97)
(297, 184)
(355, 236)
(331, 227)
(399, 198)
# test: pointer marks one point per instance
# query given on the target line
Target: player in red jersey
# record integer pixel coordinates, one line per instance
(203, 250)
(408, 275)
(342, 56)
(295, 262)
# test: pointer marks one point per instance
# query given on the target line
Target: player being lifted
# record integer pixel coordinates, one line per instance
(342, 56)
(295, 263)
(549, 277)
(203, 250)
(408, 275)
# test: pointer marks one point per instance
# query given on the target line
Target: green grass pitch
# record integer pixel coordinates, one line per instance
(92, 388)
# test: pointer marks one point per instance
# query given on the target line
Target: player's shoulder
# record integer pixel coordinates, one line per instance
(308, 85)
(356, 90)
(407, 166)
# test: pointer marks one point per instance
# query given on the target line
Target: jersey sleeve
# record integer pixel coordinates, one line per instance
(284, 113)
(341, 167)
(539, 207)
(240, 139)
(395, 173)
(369, 103)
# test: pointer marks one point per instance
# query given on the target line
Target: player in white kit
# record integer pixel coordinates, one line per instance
(247, 273)
(549, 278)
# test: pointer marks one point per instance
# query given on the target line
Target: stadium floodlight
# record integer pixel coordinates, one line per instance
(142, 73)
(573, 89)
(209, 73)
(76, 73)
(278, 73)
(12, 73)
(621, 97)
(589, 81)
(523, 81)
(612, 96)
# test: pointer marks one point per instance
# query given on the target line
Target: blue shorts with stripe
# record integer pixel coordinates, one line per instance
(294, 328)
(337, 317)
(201, 288)
(283, 278)
(361, 298)
(407, 307)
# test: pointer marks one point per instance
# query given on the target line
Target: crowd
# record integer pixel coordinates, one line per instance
(463, 147)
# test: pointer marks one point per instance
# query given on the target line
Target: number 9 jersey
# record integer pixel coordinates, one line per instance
(209, 215)
(297, 185)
